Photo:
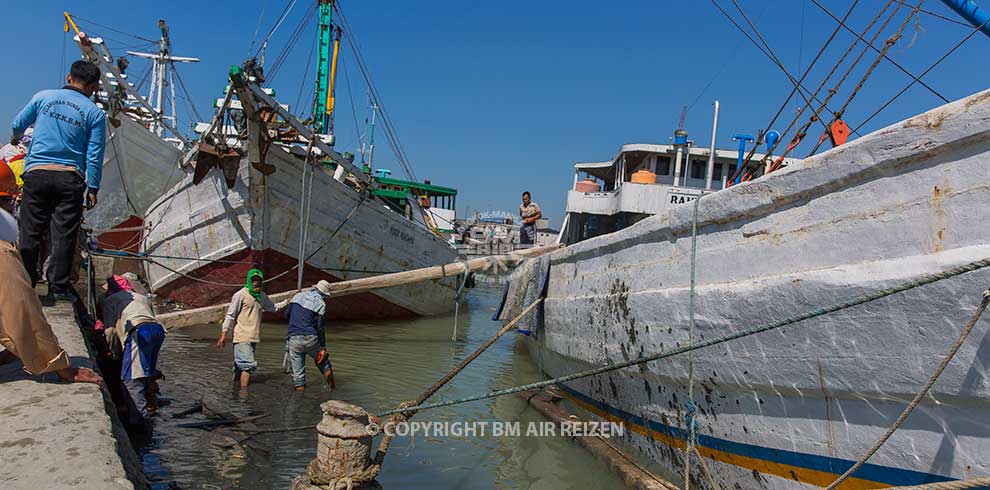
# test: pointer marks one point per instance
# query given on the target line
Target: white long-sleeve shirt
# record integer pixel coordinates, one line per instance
(244, 315)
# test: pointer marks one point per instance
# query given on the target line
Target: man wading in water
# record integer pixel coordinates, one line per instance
(307, 335)
(244, 316)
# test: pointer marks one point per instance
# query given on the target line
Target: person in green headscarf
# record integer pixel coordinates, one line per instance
(244, 317)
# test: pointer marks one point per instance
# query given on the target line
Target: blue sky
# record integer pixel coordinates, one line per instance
(494, 98)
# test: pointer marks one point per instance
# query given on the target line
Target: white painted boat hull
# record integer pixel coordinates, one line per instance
(138, 167)
(797, 406)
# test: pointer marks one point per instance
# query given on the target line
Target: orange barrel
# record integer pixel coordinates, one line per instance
(587, 185)
(644, 177)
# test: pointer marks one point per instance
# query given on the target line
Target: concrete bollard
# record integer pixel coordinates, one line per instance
(344, 446)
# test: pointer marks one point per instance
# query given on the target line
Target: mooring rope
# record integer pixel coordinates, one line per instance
(457, 298)
(949, 485)
(691, 408)
(368, 474)
(921, 394)
(859, 300)
(306, 197)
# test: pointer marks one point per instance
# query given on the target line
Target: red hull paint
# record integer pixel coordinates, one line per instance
(233, 270)
(129, 240)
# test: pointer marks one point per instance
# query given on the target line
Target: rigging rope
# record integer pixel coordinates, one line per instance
(691, 408)
(390, 133)
(802, 132)
(305, 77)
(888, 58)
(930, 68)
(257, 27)
(305, 197)
(799, 136)
(797, 85)
(948, 485)
(856, 301)
(937, 16)
(921, 394)
(278, 22)
(769, 52)
(118, 31)
(350, 97)
(188, 98)
(886, 47)
(290, 45)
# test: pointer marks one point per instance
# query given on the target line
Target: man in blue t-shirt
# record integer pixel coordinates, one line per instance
(61, 173)
(306, 335)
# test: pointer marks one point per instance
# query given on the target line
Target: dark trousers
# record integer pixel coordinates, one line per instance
(527, 234)
(51, 200)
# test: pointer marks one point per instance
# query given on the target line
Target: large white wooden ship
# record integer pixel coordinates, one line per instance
(266, 190)
(143, 147)
(799, 406)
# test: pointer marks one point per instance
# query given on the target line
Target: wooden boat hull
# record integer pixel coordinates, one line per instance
(138, 167)
(796, 406)
(203, 239)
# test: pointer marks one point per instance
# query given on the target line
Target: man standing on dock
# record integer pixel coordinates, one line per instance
(244, 317)
(530, 212)
(64, 164)
(307, 335)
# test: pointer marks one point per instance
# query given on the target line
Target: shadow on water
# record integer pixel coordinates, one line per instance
(377, 366)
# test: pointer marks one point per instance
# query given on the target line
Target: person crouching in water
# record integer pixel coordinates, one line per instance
(306, 334)
(244, 317)
(133, 330)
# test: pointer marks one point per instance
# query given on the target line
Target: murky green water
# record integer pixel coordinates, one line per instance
(377, 365)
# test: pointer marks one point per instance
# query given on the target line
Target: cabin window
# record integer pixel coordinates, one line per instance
(663, 165)
(717, 172)
(697, 169)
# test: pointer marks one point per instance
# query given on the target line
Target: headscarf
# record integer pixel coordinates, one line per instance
(250, 275)
(116, 284)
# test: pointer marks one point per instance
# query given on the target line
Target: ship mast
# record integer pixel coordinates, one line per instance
(162, 76)
(326, 69)
(368, 147)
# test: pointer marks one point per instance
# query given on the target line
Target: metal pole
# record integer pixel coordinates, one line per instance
(171, 87)
(371, 136)
(302, 221)
(711, 156)
(742, 139)
(971, 12)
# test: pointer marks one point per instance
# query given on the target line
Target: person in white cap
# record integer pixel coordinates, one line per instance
(306, 334)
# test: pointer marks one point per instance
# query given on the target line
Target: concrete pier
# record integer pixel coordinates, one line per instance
(56, 435)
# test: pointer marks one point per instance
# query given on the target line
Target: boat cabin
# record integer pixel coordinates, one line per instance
(640, 181)
(437, 202)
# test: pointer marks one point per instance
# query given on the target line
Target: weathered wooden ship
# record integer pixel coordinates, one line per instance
(798, 406)
(143, 147)
(265, 190)
(794, 407)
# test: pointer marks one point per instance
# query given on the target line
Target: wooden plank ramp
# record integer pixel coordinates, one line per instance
(633, 474)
